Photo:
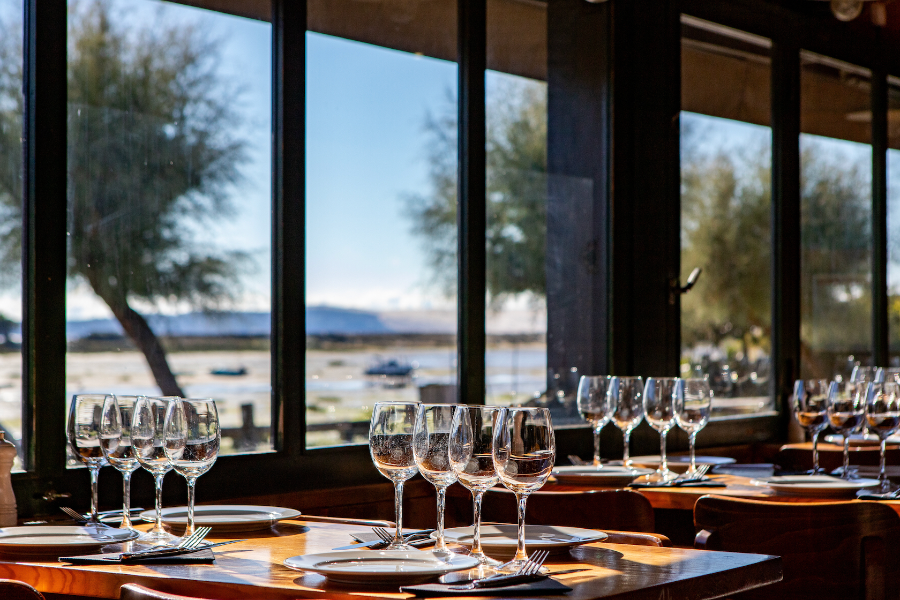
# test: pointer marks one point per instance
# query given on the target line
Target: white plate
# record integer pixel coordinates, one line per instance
(814, 485)
(501, 540)
(381, 566)
(59, 541)
(608, 476)
(859, 439)
(223, 518)
(681, 463)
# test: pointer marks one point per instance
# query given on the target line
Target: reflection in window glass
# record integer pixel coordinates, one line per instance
(169, 196)
(381, 212)
(893, 224)
(11, 222)
(836, 217)
(726, 204)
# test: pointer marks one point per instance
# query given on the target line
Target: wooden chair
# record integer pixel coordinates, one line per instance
(829, 550)
(10, 589)
(133, 591)
(621, 510)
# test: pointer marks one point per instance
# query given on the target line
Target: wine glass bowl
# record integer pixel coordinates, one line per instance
(627, 405)
(846, 409)
(115, 441)
(594, 406)
(192, 440)
(431, 448)
(810, 407)
(883, 419)
(524, 450)
(471, 456)
(83, 433)
(148, 440)
(659, 411)
(391, 448)
(693, 405)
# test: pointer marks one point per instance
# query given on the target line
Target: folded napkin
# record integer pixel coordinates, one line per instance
(540, 586)
(200, 557)
(692, 484)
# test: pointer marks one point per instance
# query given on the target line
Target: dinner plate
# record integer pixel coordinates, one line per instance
(381, 566)
(501, 540)
(234, 517)
(680, 463)
(859, 439)
(814, 485)
(59, 540)
(608, 476)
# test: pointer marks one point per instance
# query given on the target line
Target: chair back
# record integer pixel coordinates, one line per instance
(623, 510)
(829, 550)
(133, 591)
(10, 589)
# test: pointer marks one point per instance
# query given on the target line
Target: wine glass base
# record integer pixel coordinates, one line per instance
(401, 547)
(658, 476)
(159, 537)
(485, 560)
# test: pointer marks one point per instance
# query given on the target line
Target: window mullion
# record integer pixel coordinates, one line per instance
(879, 214)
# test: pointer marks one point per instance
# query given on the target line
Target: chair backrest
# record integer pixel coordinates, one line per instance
(829, 550)
(622, 510)
(133, 591)
(10, 589)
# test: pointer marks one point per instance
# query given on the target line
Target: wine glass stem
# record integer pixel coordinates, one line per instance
(191, 482)
(815, 443)
(440, 545)
(126, 500)
(626, 454)
(693, 440)
(882, 476)
(476, 542)
(846, 473)
(398, 511)
(159, 482)
(597, 461)
(95, 474)
(663, 463)
(520, 546)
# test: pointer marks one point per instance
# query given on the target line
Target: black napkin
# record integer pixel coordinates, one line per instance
(200, 557)
(541, 586)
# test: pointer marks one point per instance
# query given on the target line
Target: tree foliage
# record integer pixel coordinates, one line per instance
(152, 160)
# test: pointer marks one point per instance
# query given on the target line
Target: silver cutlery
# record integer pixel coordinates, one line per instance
(578, 461)
(174, 551)
(385, 538)
(81, 518)
(530, 570)
(189, 543)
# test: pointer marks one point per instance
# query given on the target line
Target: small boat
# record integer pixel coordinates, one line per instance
(391, 368)
(229, 372)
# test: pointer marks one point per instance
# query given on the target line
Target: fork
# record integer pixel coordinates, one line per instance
(191, 541)
(80, 518)
(529, 569)
(701, 472)
(385, 536)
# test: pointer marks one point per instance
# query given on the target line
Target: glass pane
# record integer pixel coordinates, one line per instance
(726, 204)
(381, 211)
(11, 223)
(836, 217)
(169, 166)
(893, 173)
(516, 151)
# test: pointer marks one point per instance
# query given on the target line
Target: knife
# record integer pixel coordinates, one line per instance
(172, 551)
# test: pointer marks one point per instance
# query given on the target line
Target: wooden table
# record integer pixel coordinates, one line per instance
(253, 569)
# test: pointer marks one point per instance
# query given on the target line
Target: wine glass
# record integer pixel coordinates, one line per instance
(192, 438)
(524, 449)
(431, 441)
(471, 455)
(147, 439)
(846, 414)
(659, 410)
(391, 446)
(593, 404)
(83, 432)
(810, 405)
(693, 403)
(115, 440)
(883, 418)
(626, 402)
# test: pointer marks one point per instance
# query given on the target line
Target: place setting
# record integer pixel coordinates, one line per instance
(478, 446)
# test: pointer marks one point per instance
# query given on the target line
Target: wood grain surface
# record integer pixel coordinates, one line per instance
(254, 569)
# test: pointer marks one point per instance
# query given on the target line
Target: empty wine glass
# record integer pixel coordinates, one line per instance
(148, 440)
(659, 410)
(593, 404)
(471, 455)
(810, 406)
(192, 438)
(431, 442)
(391, 447)
(83, 432)
(626, 402)
(524, 449)
(883, 418)
(693, 403)
(115, 440)
(846, 414)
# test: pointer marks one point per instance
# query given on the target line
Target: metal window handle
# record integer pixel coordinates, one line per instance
(676, 287)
